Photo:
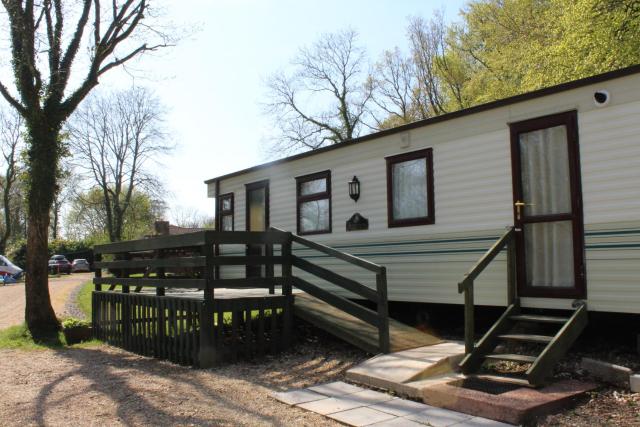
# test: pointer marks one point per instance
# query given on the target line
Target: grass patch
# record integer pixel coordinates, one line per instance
(19, 337)
(84, 299)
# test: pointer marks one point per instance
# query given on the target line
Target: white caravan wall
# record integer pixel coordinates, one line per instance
(473, 201)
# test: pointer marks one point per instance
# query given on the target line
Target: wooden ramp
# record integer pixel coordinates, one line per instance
(354, 330)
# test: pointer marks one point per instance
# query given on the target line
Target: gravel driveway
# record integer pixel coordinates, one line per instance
(12, 300)
(107, 386)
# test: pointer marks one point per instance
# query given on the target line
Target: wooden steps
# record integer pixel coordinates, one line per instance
(354, 330)
(539, 339)
(511, 357)
(550, 348)
(535, 318)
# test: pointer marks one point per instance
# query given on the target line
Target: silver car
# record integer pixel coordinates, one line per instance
(80, 264)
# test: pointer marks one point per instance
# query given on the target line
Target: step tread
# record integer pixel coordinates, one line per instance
(502, 379)
(526, 337)
(511, 357)
(539, 318)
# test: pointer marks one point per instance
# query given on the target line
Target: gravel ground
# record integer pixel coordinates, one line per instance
(12, 301)
(107, 386)
(71, 308)
(606, 407)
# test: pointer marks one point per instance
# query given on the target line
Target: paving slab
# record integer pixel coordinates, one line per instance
(331, 405)
(295, 397)
(391, 371)
(400, 407)
(514, 407)
(369, 407)
(438, 417)
(334, 389)
(398, 422)
(634, 382)
(369, 397)
(361, 416)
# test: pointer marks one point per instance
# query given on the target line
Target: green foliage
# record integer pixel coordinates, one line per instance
(87, 219)
(73, 322)
(17, 251)
(515, 46)
(500, 49)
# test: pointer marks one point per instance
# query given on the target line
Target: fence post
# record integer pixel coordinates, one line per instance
(469, 327)
(511, 271)
(95, 304)
(207, 354)
(286, 290)
(383, 311)
(269, 267)
(160, 273)
(98, 272)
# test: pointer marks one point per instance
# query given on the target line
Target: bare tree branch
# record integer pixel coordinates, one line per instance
(114, 137)
(323, 101)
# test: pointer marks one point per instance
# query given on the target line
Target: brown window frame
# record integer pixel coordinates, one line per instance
(312, 197)
(427, 155)
(225, 212)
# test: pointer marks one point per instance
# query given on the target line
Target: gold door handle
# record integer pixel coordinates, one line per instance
(519, 205)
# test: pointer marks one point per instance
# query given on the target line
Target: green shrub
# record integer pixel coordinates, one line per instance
(72, 322)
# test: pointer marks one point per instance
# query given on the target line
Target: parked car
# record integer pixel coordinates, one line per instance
(7, 268)
(59, 264)
(80, 264)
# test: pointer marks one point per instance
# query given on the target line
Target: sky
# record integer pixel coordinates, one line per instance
(213, 81)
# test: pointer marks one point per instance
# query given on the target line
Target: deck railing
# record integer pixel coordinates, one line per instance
(177, 328)
(187, 262)
(378, 319)
(466, 286)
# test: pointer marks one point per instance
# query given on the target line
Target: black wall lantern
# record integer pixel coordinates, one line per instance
(354, 188)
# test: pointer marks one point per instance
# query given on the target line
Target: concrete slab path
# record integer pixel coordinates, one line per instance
(357, 406)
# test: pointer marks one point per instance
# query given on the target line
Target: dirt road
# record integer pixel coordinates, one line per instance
(12, 297)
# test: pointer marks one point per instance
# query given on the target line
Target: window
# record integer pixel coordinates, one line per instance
(226, 212)
(410, 189)
(314, 203)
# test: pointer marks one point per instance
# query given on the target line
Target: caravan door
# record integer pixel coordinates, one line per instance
(548, 207)
(257, 220)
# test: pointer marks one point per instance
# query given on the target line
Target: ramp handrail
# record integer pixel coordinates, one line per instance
(378, 318)
(466, 285)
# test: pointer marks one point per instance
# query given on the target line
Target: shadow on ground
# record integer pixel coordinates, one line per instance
(140, 390)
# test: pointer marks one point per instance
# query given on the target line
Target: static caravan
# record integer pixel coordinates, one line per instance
(559, 166)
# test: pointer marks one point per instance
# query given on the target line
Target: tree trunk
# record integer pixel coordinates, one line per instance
(43, 155)
(7, 215)
(56, 218)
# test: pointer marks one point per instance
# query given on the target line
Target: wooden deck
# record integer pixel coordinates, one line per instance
(354, 330)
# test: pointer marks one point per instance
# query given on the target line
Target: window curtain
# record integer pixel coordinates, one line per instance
(546, 189)
(410, 189)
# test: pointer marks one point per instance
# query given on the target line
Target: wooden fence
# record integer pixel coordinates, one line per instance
(169, 327)
(204, 331)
